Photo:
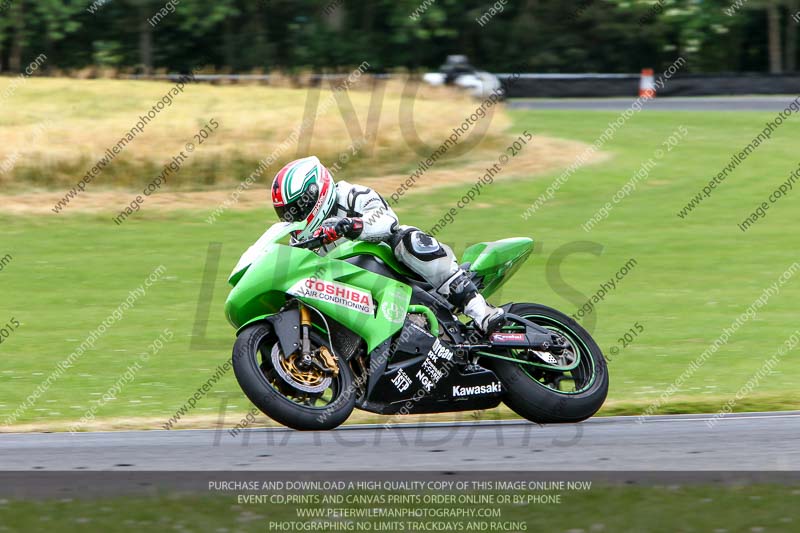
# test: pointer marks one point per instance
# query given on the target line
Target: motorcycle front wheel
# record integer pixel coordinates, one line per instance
(306, 400)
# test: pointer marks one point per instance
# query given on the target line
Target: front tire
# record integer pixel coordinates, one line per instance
(531, 393)
(257, 378)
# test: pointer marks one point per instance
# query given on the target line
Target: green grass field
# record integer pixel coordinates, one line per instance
(693, 276)
(749, 508)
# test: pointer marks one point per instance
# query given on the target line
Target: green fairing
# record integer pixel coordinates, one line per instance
(495, 262)
(263, 287)
(380, 250)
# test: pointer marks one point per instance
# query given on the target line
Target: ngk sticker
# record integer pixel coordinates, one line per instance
(330, 291)
(430, 374)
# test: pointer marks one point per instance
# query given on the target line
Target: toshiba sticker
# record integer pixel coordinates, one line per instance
(337, 293)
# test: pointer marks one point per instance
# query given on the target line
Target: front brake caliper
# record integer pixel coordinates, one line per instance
(330, 360)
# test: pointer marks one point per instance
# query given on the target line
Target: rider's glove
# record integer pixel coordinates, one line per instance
(334, 228)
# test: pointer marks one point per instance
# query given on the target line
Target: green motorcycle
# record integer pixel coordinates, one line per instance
(318, 336)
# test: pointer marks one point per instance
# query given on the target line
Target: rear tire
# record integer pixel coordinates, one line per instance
(537, 402)
(247, 365)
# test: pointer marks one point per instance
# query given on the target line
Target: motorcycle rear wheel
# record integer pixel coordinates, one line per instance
(538, 394)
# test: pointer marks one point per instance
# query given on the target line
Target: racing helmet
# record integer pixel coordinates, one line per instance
(304, 190)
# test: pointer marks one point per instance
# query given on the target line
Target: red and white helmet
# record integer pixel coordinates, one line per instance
(304, 190)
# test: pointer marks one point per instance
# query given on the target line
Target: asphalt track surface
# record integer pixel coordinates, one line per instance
(737, 442)
(733, 103)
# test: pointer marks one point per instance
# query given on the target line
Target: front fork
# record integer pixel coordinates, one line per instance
(331, 365)
(305, 330)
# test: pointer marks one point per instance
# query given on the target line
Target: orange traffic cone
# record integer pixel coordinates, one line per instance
(647, 84)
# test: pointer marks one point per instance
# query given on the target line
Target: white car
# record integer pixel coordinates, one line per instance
(457, 71)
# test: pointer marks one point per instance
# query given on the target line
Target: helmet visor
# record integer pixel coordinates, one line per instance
(300, 208)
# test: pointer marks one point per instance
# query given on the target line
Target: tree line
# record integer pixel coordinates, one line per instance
(500, 36)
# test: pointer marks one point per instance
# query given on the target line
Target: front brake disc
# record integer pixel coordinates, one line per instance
(285, 371)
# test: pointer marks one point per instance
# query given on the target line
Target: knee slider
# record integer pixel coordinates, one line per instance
(423, 246)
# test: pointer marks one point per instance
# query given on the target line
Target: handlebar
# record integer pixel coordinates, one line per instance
(314, 242)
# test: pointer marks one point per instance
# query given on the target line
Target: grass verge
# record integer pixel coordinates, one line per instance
(693, 277)
(657, 509)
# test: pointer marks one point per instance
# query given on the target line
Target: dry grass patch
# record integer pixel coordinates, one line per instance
(543, 156)
(53, 130)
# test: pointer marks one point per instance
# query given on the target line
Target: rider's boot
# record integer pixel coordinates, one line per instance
(462, 293)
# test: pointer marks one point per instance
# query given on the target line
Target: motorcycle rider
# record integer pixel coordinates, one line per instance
(305, 190)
